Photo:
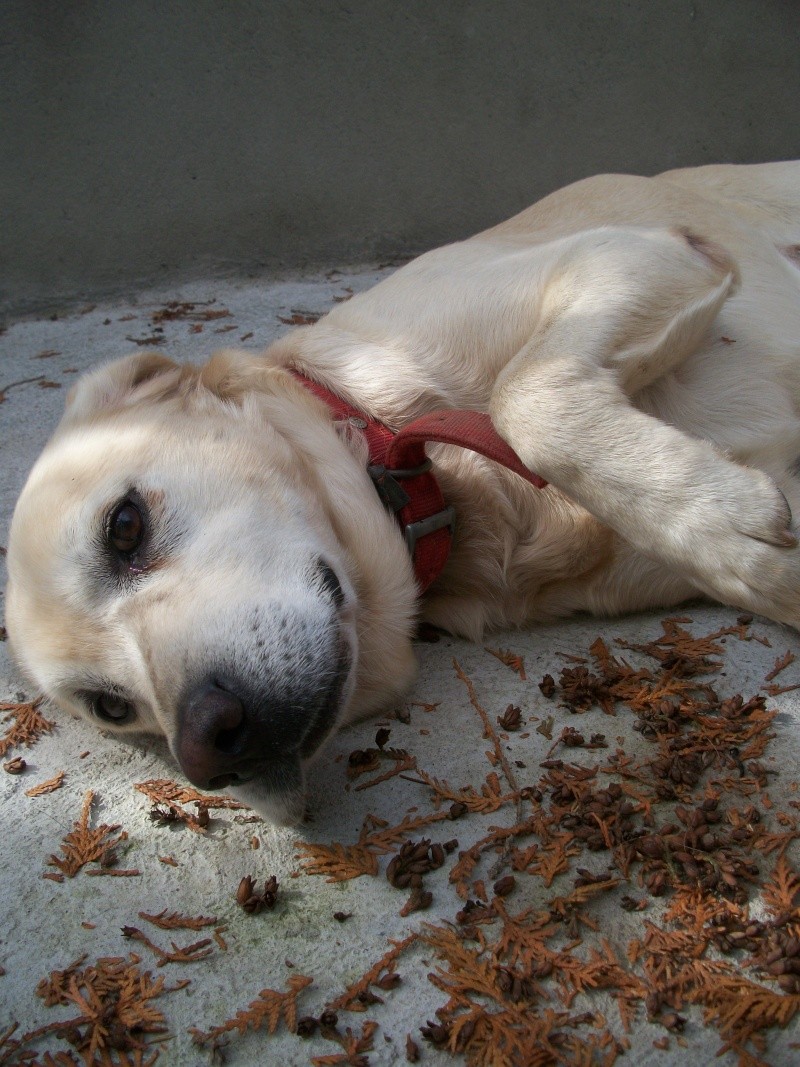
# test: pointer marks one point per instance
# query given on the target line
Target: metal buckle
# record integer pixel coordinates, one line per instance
(387, 482)
(423, 527)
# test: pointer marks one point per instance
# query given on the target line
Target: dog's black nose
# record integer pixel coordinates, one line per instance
(229, 732)
(213, 737)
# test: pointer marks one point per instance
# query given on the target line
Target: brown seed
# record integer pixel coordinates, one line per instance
(511, 719)
(15, 766)
(245, 890)
(412, 1050)
(503, 886)
(306, 1026)
(548, 685)
(436, 1034)
(673, 1021)
(419, 900)
(382, 736)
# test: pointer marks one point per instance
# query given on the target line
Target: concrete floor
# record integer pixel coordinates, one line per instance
(46, 925)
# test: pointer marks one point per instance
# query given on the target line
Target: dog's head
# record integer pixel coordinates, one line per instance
(198, 553)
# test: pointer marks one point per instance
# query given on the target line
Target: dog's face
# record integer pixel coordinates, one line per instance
(177, 567)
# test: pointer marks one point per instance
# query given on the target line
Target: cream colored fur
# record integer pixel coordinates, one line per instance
(635, 340)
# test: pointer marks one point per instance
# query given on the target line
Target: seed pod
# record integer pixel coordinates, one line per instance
(412, 1050)
(503, 886)
(306, 1026)
(245, 890)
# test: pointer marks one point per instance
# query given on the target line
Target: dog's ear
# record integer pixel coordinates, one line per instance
(122, 383)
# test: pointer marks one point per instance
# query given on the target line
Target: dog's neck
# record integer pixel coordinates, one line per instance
(403, 476)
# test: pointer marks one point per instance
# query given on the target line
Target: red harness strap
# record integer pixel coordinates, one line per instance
(402, 472)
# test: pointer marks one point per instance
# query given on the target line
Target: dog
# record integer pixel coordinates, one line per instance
(201, 552)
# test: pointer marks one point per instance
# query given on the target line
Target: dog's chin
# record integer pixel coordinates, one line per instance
(281, 803)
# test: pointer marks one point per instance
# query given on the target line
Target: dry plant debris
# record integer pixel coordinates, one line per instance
(269, 1009)
(116, 1018)
(683, 838)
(684, 823)
(510, 659)
(251, 900)
(50, 786)
(84, 845)
(198, 950)
(27, 725)
(168, 800)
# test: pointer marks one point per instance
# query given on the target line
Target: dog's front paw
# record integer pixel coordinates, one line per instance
(738, 544)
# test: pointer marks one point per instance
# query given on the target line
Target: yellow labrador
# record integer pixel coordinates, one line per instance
(202, 553)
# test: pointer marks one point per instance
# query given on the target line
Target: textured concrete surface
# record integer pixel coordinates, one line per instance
(144, 140)
(45, 925)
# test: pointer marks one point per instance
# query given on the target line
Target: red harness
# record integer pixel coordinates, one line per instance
(402, 472)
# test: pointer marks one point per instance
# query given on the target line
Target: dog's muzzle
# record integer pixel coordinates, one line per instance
(231, 732)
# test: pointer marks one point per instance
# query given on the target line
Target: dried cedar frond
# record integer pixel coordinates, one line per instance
(176, 921)
(402, 761)
(354, 1047)
(116, 1016)
(168, 799)
(83, 844)
(510, 659)
(781, 663)
(27, 725)
(49, 786)
(781, 892)
(339, 863)
(352, 999)
(269, 1009)
(198, 950)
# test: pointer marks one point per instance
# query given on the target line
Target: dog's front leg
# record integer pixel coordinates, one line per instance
(617, 315)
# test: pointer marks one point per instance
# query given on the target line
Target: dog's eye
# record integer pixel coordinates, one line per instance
(126, 528)
(112, 707)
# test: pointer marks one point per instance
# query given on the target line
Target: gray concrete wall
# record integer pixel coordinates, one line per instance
(151, 139)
